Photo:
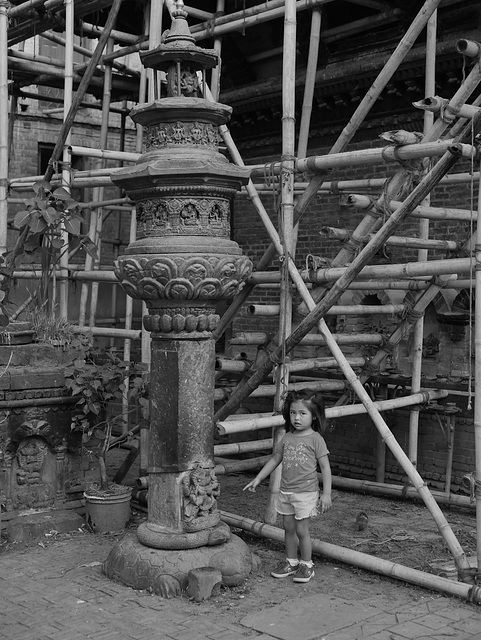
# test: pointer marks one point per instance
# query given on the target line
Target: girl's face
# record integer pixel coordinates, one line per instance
(301, 416)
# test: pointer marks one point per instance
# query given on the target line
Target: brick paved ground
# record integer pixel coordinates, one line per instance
(55, 590)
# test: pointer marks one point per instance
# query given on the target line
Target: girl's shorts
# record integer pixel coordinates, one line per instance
(300, 505)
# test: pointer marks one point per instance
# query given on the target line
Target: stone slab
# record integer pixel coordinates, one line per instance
(33, 526)
(309, 617)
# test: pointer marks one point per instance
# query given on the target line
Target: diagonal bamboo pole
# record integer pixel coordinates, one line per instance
(345, 137)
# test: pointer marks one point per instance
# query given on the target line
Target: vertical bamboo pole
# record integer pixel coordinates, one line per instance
(430, 90)
(99, 191)
(66, 157)
(215, 78)
(477, 387)
(155, 33)
(286, 217)
(4, 5)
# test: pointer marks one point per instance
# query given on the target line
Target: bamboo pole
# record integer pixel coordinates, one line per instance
(418, 332)
(269, 390)
(311, 339)
(396, 241)
(66, 159)
(477, 393)
(97, 214)
(104, 154)
(247, 423)
(360, 201)
(348, 310)
(408, 269)
(216, 71)
(470, 593)
(4, 5)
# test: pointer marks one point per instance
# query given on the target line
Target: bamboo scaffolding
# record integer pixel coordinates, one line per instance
(343, 140)
(371, 221)
(470, 593)
(316, 315)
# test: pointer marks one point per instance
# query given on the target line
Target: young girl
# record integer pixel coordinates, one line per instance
(299, 451)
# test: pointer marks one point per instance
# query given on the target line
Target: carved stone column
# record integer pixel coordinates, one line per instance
(182, 263)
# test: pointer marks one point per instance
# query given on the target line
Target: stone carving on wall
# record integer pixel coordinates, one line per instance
(34, 460)
(200, 489)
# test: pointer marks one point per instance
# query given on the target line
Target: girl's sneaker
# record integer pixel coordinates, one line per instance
(284, 569)
(303, 573)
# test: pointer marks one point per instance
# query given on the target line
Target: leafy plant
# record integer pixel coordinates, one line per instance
(44, 224)
(59, 332)
(99, 381)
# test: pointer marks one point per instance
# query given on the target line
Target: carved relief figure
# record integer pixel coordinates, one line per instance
(200, 490)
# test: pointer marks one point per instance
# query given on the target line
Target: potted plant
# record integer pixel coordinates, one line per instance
(99, 381)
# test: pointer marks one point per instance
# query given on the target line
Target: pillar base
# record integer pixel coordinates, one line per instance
(156, 537)
(165, 572)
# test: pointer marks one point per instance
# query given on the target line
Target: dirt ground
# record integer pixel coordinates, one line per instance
(400, 531)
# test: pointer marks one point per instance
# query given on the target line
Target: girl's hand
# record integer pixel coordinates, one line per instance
(325, 503)
(252, 485)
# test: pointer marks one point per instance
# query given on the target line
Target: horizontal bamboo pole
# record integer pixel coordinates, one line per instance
(311, 339)
(311, 364)
(110, 332)
(269, 390)
(409, 269)
(227, 427)
(398, 491)
(368, 184)
(242, 447)
(470, 593)
(104, 154)
(337, 310)
(232, 366)
(361, 201)
(363, 157)
(394, 241)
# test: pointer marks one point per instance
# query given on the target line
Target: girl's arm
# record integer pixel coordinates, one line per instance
(325, 500)
(266, 470)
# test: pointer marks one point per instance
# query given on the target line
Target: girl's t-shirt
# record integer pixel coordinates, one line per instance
(300, 455)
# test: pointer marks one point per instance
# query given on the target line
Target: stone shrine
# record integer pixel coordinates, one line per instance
(182, 264)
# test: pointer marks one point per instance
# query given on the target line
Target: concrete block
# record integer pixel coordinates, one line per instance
(203, 583)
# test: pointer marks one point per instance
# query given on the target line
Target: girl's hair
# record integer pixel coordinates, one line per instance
(313, 401)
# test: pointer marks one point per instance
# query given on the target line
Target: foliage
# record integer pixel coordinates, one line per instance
(44, 224)
(59, 332)
(99, 381)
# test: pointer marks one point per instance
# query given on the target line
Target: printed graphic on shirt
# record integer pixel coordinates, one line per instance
(295, 454)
